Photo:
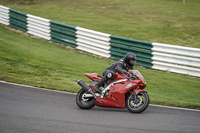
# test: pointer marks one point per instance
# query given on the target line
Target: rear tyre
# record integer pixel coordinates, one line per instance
(141, 104)
(82, 102)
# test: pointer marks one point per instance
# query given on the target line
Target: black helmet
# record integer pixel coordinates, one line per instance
(130, 59)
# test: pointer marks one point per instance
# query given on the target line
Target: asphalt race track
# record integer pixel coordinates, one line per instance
(31, 110)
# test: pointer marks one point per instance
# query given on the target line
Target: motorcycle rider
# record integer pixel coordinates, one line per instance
(121, 66)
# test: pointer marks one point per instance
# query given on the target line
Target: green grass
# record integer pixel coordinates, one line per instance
(162, 21)
(40, 63)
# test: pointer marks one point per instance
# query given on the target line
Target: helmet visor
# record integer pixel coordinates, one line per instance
(132, 61)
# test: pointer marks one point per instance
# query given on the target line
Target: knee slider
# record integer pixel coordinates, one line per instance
(110, 75)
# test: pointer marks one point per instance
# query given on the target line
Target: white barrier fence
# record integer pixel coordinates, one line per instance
(4, 15)
(176, 59)
(38, 26)
(93, 42)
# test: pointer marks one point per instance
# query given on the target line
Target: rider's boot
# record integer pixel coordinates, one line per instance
(96, 88)
(100, 83)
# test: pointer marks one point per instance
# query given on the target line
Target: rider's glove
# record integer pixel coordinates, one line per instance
(128, 74)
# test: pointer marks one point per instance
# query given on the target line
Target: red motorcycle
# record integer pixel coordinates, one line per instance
(121, 92)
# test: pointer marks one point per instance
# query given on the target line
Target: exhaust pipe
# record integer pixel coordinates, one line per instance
(82, 84)
(88, 89)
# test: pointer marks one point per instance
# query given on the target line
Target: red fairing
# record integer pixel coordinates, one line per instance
(111, 102)
(119, 76)
(93, 76)
(116, 95)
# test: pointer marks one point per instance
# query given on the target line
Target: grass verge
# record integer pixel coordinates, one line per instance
(37, 62)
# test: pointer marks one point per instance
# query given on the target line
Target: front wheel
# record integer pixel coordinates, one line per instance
(84, 103)
(141, 103)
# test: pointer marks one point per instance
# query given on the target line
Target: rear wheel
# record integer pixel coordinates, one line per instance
(83, 102)
(141, 103)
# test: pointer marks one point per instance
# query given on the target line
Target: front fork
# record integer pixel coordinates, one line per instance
(134, 95)
(134, 92)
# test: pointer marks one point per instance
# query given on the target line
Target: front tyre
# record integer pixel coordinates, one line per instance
(82, 102)
(141, 103)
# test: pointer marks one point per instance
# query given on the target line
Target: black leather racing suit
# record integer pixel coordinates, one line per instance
(109, 73)
(121, 66)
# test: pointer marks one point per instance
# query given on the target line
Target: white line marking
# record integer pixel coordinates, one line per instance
(37, 87)
(161, 106)
(170, 107)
